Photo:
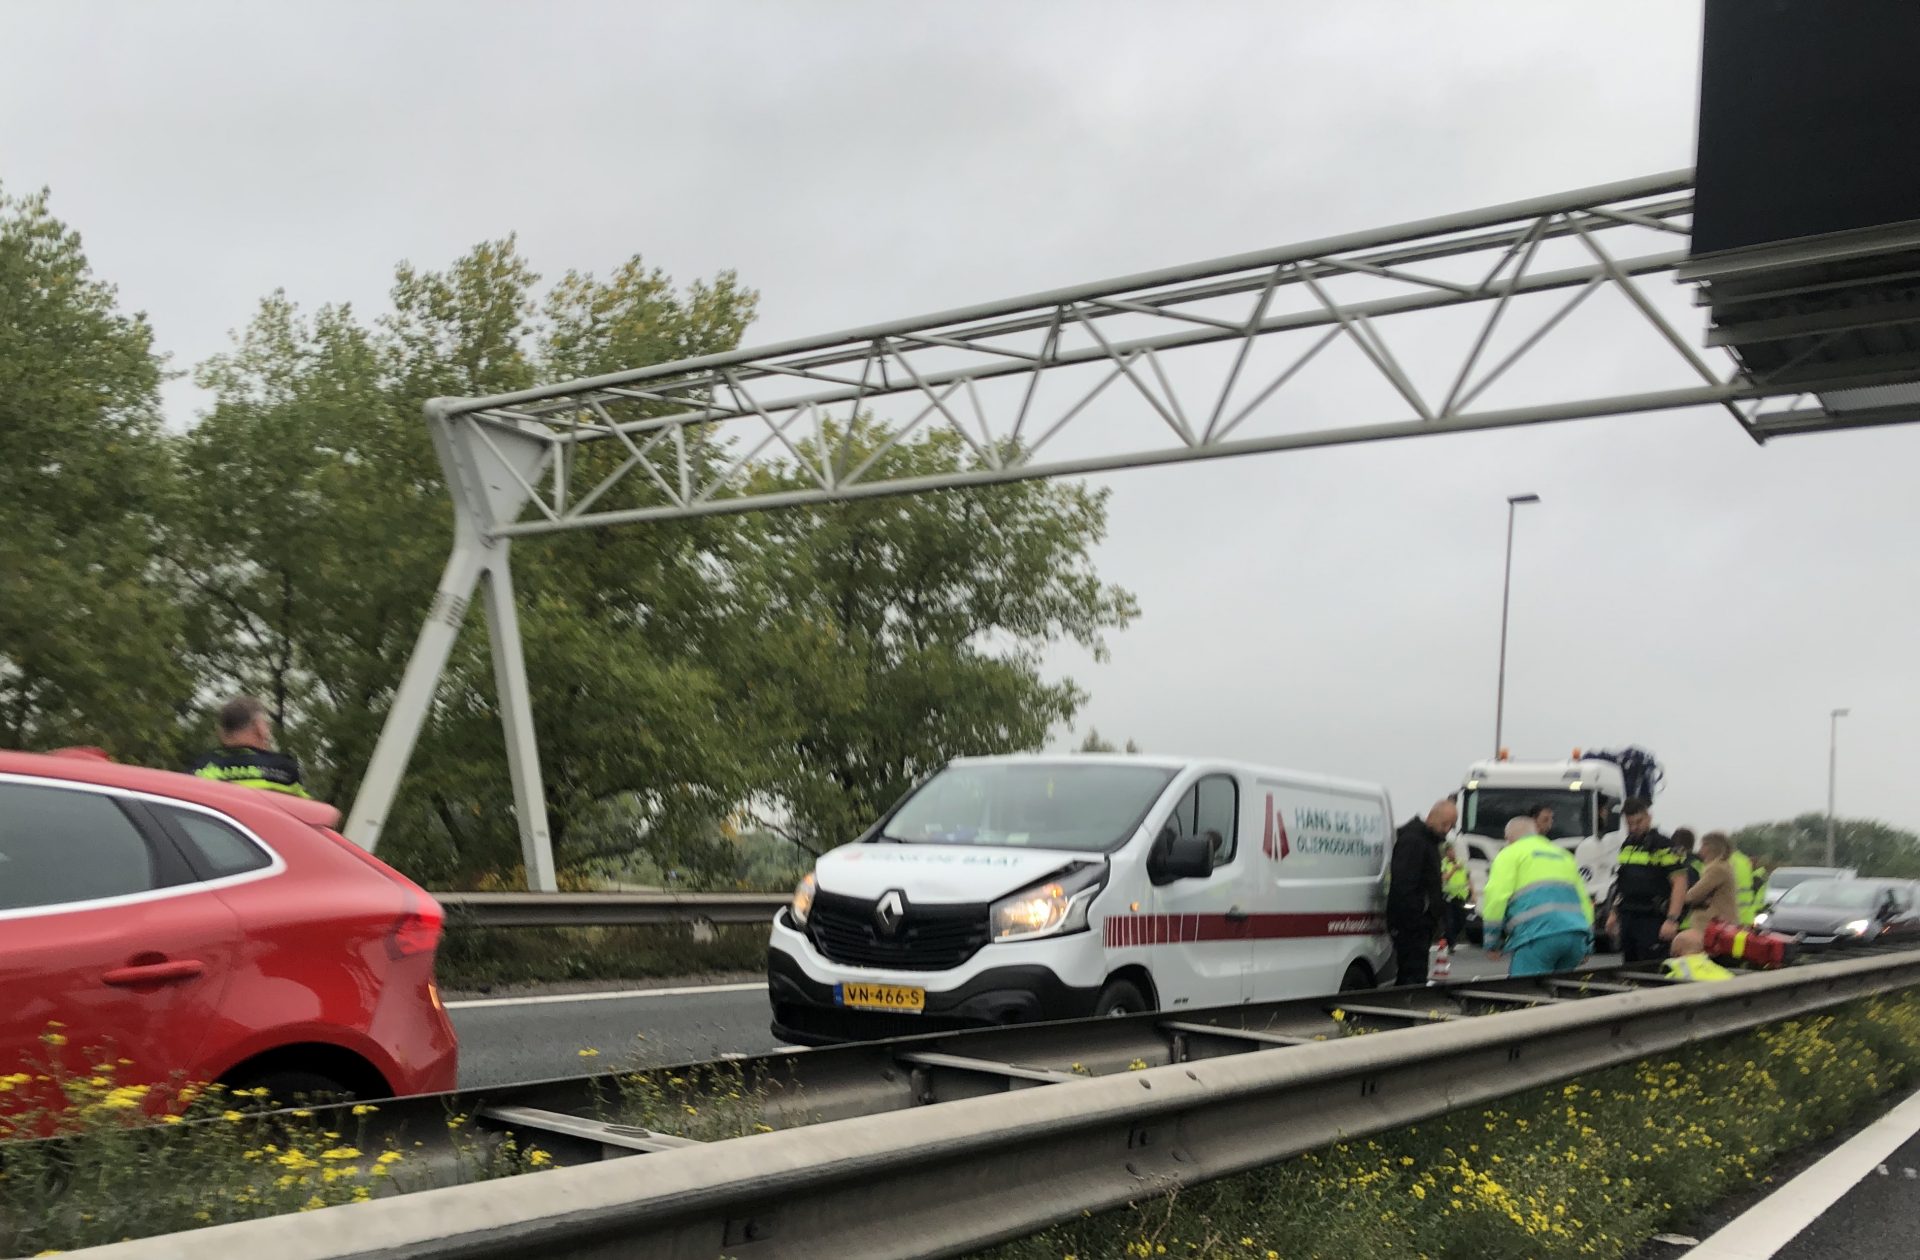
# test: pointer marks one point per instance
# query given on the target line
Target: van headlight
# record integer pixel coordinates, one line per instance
(1760, 920)
(1856, 928)
(1053, 908)
(802, 904)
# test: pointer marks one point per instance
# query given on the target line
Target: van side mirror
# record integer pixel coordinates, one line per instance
(1179, 857)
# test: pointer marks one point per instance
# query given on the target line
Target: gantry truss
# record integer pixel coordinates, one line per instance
(1553, 309)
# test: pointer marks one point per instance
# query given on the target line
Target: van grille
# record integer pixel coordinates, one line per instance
(929, 938)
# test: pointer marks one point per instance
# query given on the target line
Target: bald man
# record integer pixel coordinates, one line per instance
(1416, 899)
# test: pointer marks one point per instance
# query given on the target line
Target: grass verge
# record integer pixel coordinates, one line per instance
(1591, 1168)
(94, 1162)
(96, 1168)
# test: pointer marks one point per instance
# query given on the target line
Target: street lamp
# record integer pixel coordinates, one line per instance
(1833, 761)
(1506, 592)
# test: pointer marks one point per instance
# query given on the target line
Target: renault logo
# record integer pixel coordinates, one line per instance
(892, 909)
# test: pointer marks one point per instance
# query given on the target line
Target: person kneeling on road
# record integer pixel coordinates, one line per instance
(1536, 905)
(1687, 959)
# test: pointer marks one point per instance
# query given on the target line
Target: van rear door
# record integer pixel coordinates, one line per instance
(1319, 878)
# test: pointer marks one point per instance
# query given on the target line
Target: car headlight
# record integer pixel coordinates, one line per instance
(802, 904)
(1053, 908)
(1856, 928)
(1760, 920)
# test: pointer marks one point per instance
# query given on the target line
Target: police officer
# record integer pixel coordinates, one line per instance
(246, 756)
(1649, 890)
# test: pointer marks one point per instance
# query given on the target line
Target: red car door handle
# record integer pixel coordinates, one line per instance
(156, 973)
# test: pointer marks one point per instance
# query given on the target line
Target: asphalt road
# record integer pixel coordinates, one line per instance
(512, 1039)
(518, 1039)
(1879, 1219)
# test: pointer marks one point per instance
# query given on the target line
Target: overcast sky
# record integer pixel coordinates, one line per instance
(1678, 587)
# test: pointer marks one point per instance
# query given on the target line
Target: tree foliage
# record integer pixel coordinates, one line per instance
(87, 634)
(1873, 848)
(804, 666)
(897, 633)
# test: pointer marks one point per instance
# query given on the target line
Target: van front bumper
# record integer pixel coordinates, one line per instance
(805, 1013)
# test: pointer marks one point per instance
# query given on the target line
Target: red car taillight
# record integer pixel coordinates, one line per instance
(418, 930)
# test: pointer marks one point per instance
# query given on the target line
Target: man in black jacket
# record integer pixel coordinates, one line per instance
(1416, 902)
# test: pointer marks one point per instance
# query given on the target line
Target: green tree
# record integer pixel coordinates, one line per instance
(320, 522)
(1094, 743)
(1872, 848)
(814, 662)
(898, 633)
(87, 636)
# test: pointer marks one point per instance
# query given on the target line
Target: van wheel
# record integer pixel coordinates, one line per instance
(1119, 998)
(1359, 976)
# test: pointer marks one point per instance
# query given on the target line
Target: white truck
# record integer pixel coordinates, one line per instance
(1585, 793)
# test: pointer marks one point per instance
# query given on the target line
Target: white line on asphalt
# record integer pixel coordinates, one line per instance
(548, 999)
(1779, 1218)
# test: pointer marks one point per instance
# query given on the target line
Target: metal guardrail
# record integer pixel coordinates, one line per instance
(611, 909)
(1018, 1140)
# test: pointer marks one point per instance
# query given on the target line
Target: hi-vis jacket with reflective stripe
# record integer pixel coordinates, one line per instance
(1745, 890)
(1696, 967)
(249, 767)
(1534, 889)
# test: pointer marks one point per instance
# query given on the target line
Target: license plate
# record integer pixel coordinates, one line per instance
(881, 997)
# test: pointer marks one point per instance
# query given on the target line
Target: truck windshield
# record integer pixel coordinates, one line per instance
(1090, 808)
(1485, 811)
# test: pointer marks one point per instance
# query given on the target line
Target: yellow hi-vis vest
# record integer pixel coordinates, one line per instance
(1696, 967)
(1747, 892)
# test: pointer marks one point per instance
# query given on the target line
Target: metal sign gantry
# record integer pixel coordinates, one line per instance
(1439, 319)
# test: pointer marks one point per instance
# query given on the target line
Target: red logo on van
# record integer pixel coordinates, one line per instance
(1275, 844)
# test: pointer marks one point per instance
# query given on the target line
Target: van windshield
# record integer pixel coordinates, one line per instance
(1090, 808)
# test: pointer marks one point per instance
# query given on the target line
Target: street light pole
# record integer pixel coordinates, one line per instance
(1833, 763)
(1506, 593)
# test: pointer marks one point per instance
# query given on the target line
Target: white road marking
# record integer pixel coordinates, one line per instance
(552, 999)
(1781, 1217)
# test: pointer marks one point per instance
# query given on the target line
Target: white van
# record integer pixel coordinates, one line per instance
(1008, 889)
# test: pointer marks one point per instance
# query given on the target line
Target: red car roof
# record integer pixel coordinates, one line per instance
(84, 766)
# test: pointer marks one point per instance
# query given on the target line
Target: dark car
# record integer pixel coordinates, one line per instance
(1824, 913)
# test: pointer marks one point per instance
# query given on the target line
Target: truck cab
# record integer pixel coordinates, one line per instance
(1585, 794)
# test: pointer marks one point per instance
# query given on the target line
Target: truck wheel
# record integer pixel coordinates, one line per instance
(1119, 998)
(1359, 976)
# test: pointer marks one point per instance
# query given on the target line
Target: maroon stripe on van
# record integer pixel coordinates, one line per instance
(1179, 929)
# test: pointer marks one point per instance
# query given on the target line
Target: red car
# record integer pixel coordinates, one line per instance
(205, 932)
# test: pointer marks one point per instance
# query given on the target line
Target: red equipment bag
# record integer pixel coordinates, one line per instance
(1747, 945)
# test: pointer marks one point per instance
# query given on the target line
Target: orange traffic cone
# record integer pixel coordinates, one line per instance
(1442, 962)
